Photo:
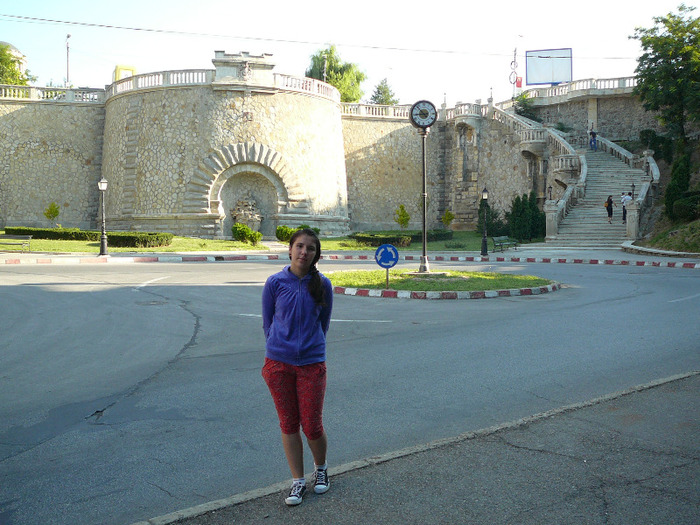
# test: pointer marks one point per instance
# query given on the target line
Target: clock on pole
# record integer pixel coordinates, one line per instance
(423, 114)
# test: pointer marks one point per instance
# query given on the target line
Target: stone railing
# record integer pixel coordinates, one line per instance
(191, 77)
(590, 86)
(306, 85)
(517, 124)
(203, 77)
(374, 110)
(466, 110)
(52, 94)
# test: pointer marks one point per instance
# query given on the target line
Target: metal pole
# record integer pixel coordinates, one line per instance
(67, 61)
(424, 267)
(103, 238)
(484, 241)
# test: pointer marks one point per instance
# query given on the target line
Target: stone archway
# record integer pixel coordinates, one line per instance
(203, 193)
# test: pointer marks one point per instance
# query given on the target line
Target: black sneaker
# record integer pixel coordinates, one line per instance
(321, 483)
(295, 494)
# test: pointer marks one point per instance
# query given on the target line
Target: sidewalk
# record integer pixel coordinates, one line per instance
(627, 255)
(630, 457)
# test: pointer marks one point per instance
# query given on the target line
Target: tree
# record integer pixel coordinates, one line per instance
(383, 95)
(402, 217)
(9, 69)
(346, 77)
(52, 212)
(668, 71)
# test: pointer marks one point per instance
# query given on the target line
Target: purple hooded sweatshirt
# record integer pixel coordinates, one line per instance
(295, 326)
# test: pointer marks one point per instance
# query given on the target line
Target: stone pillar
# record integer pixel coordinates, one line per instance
(592, 116)
(633, 220)
(550, 211)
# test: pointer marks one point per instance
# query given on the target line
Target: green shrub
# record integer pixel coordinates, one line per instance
(317, 231)
(447, 218)
(377, 239)
(284, 233)
(402, 217)
(116, 239)
(243, 233)
(679, 184)
(401, 239)
(138, 239)
(52, 212)
(687, 208)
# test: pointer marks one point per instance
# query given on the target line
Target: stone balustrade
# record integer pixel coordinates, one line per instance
(52, 94)
(466, 110)
(577, 88)
(190, 77)
(374, 110)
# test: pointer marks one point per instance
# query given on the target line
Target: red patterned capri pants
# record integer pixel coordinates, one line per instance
(298, 393)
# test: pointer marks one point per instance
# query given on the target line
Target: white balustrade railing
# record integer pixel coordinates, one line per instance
(308, 85)
(189, 77)
(52, 94)
(466, 110)
(576, 87)
(374, 110)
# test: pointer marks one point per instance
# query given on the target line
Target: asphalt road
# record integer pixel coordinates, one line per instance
(131, 391)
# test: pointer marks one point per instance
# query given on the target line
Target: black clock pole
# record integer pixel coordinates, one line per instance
(424, 268)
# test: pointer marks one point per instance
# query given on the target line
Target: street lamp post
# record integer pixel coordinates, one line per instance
(484, 242)
(633, 190)
(102, 185)
(549, 190)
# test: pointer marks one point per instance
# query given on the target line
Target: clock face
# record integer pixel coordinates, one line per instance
(423, 114)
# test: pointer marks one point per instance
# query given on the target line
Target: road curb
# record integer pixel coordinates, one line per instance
(483, 294)
(332, 257)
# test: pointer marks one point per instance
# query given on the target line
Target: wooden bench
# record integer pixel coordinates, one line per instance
(503, 242)
(17, 240)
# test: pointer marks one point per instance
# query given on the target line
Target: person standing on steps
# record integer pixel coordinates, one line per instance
(296, 307)
(609, 206)
(624, 200)
(593, 142)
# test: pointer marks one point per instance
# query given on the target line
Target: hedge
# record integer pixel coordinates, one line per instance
(398, 238)
(116, 239)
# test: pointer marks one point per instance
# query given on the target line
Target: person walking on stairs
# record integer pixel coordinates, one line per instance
(609, 206)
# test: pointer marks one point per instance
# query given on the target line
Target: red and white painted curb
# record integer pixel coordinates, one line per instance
(405, 294)
(94, 259)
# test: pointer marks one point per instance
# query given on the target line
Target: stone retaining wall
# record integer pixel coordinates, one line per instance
(180, 158)
(50, 152)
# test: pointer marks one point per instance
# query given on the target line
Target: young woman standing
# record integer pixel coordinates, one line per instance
(296, 307)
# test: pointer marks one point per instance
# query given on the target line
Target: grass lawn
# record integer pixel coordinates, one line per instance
(465, 241)
(461, 241)
(179, 244)
(452, 280)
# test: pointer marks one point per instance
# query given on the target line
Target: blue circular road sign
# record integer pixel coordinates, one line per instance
(386, 256)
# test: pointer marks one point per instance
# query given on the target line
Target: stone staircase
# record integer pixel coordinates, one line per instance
(586, 225)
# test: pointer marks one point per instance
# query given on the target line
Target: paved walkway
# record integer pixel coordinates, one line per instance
(626, 458)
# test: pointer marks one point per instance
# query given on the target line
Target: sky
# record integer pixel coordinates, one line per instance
(439, 50)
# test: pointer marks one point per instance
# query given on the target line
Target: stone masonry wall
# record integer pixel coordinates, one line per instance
(158, 143)
(384, 170)
(50, 152)
(615, 118)
(180, 158)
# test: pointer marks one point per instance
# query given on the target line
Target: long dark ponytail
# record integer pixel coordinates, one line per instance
(315, 284)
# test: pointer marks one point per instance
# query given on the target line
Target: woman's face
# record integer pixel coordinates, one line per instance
(302, 254)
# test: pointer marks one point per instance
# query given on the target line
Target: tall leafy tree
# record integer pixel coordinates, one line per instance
(668, 71)
(346, 77)
(668, 81)
(383, 95)
(9, 69)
